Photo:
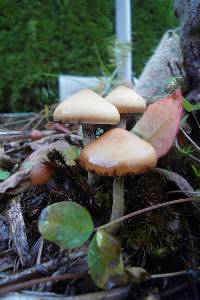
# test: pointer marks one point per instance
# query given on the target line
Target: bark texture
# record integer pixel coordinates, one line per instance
(165, 64)
(188, 12)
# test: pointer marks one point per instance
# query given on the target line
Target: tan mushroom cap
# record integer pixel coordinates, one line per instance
(118, 152)
(87, 107)
(126, 100)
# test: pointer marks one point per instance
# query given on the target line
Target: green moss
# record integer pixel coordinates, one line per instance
(155, 240)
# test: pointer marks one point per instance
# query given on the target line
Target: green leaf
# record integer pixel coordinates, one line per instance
(4, 175)
(105, 260)
(196, 171)
(189, 106)
(186, 150)
(66, 223)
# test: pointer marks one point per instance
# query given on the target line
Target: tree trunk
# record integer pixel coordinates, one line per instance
(177, 56)
(188, 13)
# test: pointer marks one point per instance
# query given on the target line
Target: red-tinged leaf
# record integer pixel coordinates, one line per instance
(160, 123)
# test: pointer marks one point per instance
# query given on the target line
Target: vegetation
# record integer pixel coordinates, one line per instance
(41, 39)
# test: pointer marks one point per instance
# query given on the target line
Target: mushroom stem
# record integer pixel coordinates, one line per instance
(118, 191)
(89, 135)
(122, 123)
(118, 204)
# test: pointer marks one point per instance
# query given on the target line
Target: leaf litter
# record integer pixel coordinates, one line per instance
(24, 256)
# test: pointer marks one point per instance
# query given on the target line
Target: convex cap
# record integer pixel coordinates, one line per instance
(87, 107)
(118, 152)
(126, 100)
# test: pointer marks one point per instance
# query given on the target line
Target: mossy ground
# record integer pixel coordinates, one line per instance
(160, 241)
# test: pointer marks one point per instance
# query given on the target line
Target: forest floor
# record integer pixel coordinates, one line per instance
(165, 241)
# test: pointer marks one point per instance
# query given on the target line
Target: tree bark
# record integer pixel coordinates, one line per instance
(188, 13)
(165, 64)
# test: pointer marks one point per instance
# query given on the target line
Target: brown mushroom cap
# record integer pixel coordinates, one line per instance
(126, 100)
(118, 152)
(87, 107)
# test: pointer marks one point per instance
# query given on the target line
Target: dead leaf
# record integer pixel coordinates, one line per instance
(69, 152)
(18, 180)
(160, 123)
(45, 141)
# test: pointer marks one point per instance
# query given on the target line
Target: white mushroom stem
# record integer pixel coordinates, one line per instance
(118, 191)
(89, 135)
(118, 204)
(122, 123)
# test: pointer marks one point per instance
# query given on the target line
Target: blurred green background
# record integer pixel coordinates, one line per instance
(43, 38)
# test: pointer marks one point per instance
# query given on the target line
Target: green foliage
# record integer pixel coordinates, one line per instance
(196, 171)
(186, 150)
(67, 224)
(105, 259)
(48, 37)
(151, 18)
(41, 39)
(189, 107)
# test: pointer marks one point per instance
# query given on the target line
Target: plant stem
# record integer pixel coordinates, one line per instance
(145, 210)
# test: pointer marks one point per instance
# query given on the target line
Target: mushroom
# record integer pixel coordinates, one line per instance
(118, 153)
(127, 101)
(40, 174)
(88, 108)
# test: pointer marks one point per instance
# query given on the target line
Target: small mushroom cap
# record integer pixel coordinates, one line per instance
(117, 153)
(126, 100)
(87, 107)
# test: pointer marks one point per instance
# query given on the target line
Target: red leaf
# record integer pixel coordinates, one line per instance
(160, 123)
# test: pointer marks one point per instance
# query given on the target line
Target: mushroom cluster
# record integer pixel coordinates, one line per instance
(117, 152)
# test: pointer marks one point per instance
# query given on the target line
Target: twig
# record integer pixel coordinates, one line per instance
(114, 294)
(18, 231)
(145, 210)
(170, 275)
(47, 267)
(174, 290)
(33, 120)
(29, 283)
